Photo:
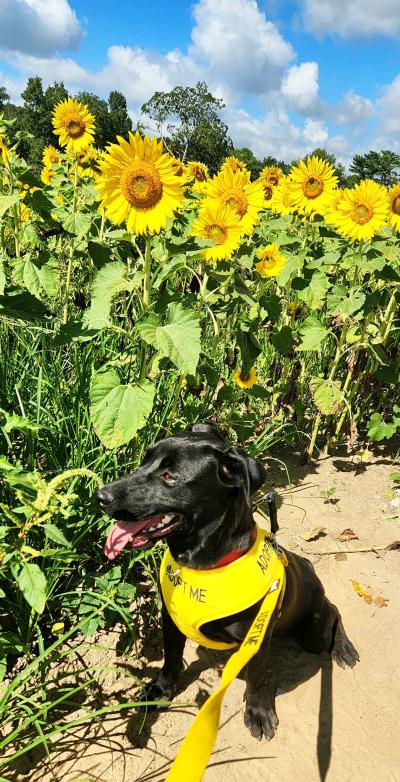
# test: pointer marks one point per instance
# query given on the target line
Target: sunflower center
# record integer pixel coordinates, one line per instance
(268, 192)
(273, 178)
(244, 376)
(141, 185)
(396, 205)
(362, 214)
(199, 174)
(75, 128)
(237, 201)
(217, 233)
(313, 186)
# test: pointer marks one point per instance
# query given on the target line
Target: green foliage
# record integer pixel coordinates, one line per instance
(118, 411)
(188, 119)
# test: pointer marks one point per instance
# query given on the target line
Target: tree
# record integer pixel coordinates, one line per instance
(187, 119)
(249, 159)
(4, 97)
(120, 120)
(382, 166)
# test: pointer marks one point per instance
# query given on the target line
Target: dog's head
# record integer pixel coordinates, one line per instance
(186, 486)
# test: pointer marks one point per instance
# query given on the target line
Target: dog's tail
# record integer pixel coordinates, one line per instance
(324, 741)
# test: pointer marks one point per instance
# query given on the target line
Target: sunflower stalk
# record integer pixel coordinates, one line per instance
(72, 247)
(334, 366)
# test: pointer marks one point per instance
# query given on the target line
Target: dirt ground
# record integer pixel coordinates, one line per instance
(338, 725)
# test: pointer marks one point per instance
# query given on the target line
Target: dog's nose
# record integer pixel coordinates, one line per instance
(104, 497)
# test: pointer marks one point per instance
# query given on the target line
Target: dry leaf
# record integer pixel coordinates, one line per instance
(364, 456)
(366, 594)
(347, 534)
(381, 602)
(341, 556)
(393, 546)
(314, 534)
(367, 597)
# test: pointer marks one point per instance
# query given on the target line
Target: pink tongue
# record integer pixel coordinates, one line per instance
(120, 535)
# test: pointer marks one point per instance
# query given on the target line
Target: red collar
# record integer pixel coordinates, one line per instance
(228, 558)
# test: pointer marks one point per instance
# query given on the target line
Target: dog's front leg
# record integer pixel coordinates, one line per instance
(165, 684)
(260, 716)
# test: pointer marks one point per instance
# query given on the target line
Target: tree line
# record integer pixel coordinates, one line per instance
(186, 118)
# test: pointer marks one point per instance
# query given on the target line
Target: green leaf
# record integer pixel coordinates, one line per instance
(7, 202)
(19, 422)
(249, 349)
(283, 340)
(23, 306)
(273, 305)
(89, 627)
(126, 591)
(2, 278)
(178, 340)
(108, 282)
(379, 430)
(77, 223)
(327, 395)
(348, 306)
(118, 411)
(179, 262)
(315, 293)
(32, 583)
(148, 329)
(313, 333)
(56, 535)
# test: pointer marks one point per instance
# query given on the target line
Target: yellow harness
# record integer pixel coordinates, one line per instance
(193, 597)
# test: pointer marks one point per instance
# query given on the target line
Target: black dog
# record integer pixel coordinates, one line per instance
(196, 489)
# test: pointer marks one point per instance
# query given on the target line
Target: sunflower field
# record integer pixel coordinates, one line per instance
(138, 294)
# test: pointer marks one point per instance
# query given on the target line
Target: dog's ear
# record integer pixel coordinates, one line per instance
(208, 429)
(236, 468)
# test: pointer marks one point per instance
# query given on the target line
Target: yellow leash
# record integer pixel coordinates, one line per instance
(195, 750)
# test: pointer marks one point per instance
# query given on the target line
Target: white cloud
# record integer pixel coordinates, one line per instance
(274, 134)
(387, 135)
(352, 18)
(38, 27)
(242, 49)
(300, 87)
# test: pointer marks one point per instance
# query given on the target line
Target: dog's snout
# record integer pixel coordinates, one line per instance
(104, 497)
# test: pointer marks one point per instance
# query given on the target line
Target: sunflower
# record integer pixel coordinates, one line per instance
(179, 166)
(24, 213)
(270, 175)
(138, 184)
(271, 261)
(310, 183)
(89, 163)
(47, 175)
(361, 211)
(199, 173)
(245, 379)
(233, 163)
(3, 150)
(218, 223)
(51, 156)
(282, 200)
(331, 205)
(394, 206)
(74, 124)
(235, 190)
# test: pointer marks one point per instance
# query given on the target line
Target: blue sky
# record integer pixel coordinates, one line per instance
(294, 74)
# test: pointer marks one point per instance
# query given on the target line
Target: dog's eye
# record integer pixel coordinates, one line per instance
(168, 477)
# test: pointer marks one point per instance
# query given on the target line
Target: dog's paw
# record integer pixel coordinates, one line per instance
(344, 653)
(260, 716)
(160, 689)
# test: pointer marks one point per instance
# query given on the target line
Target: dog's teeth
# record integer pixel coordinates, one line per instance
(159, 525)
(151, 529)
(166, 519)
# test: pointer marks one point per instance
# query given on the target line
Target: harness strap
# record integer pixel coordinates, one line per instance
(195, 750)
